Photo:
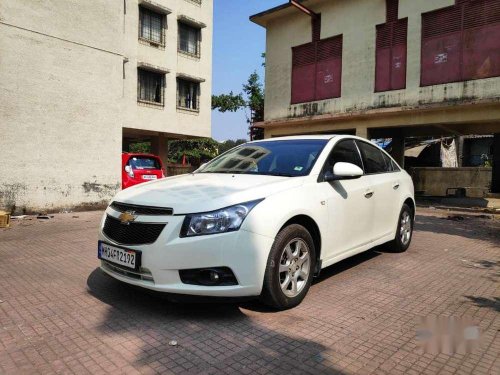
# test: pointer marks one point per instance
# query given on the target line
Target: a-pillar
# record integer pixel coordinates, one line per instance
(495, 178)
(159, 147)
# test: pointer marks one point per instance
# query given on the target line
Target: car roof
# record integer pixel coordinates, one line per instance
(298, 137)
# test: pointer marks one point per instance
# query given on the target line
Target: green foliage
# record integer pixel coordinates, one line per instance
(228, 102)
(229, 144)
(254, 92)
(197, 151)
(140, 147)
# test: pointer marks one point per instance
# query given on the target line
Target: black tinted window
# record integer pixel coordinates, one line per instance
(345, 151)
(373, 158)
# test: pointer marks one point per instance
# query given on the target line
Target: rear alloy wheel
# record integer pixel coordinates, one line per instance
(290, 268)
(404, 230)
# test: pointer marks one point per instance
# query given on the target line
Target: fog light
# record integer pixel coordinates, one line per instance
(214, 277)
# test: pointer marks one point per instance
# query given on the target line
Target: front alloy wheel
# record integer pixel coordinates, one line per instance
(289, 268)
(295, 266)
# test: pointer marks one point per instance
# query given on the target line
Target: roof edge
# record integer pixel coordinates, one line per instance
(258, 18)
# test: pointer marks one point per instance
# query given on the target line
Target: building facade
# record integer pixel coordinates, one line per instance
(80, 80)
(384, 69)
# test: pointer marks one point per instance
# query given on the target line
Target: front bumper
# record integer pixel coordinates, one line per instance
(245, 253)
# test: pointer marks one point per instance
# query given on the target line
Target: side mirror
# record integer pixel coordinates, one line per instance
(128, 168)
(343, 171)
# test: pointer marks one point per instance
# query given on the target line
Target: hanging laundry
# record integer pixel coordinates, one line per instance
(448, 154)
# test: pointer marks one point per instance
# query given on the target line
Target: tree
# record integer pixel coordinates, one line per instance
(252, 100)
(196, 151)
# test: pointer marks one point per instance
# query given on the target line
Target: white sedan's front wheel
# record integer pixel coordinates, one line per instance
(289, 268)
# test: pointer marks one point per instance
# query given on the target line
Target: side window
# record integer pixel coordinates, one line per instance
(344, 151)
(373, 159)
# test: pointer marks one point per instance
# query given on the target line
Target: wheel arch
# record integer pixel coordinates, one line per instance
(312, 227)
(411, 203)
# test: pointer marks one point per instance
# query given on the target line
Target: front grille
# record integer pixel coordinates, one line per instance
(132, 233)
(142, 210)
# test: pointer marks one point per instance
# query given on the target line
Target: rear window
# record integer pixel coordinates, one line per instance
(144, 162)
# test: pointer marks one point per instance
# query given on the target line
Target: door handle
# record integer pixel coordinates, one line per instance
(395, 186)
(369, 194)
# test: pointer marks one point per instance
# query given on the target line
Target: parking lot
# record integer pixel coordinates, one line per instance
(60, 314)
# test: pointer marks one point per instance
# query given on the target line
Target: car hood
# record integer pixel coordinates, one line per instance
(201, 192)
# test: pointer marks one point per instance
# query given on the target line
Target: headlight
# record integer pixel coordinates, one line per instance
(227, 219)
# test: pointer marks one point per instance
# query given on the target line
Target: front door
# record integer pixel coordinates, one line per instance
(350, 207)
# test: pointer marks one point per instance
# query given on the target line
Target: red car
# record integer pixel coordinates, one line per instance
(139, 168)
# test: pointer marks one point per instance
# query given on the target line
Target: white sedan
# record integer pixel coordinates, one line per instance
(259, 220)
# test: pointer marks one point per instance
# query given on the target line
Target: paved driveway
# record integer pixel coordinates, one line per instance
(60, 314)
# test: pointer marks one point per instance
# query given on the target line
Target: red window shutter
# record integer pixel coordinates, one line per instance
(398, 56)
(303, 73)
(390, 64)
(392, 10)
(329, 68)
(316, 28)
(461, 42)
(481, 40)
(441, 46)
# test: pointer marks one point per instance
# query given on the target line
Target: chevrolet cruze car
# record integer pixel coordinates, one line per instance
(260, 220)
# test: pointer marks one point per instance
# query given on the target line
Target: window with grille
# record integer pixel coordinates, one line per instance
(390, 55)
(461, 42)
(189, 39)
(188, 94)
(317, 70)
(152, 26)
(150, 87)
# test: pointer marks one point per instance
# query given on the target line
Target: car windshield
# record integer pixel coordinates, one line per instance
(144, 162)
(289, 158)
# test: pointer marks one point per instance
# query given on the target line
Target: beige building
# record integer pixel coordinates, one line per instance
(383, 69)
(80, 80)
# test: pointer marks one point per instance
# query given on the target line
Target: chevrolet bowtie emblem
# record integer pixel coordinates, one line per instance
(127, 217)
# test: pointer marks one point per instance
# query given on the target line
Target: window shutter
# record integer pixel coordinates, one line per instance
(303, 72)
(392, 10)
(329, 68)
(481, 39)
(461, 42)
(390, 55)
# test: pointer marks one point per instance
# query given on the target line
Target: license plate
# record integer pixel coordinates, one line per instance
(149, 177)
(117, 255)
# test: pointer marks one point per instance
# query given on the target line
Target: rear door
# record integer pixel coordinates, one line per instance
(350, 212)
(384, 176)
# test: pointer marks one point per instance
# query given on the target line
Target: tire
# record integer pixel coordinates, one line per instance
(290, 265)
(405, 224)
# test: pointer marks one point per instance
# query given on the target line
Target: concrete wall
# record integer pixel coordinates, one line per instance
(64, 99)
(356, 20)
(433, 181)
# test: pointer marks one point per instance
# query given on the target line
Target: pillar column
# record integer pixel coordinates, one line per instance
(495, 178)
(362, 131)
(159, 147)
(398, 150)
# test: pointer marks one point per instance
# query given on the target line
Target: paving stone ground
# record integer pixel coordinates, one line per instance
(60, 314)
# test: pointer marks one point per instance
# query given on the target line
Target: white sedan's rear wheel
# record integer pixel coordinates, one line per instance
(289, 268)
(404, 231)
